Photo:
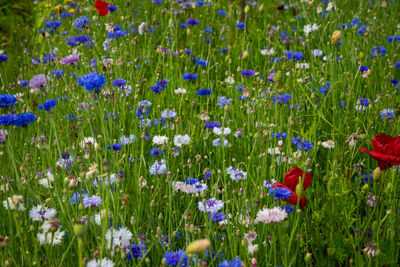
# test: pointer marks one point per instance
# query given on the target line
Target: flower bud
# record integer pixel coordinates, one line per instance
(245, 55)
(198, 246)
(299, 190)
(79, 228)
(377, 174)
(246, 9)
(336, 36)
(261, 8)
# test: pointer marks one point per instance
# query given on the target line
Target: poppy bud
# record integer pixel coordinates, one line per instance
(246, 9)
(377, 174)
(79, 228)
(198, 246)
(261, 8)
(188, 32)
(299, 190)
(245, 55)
(362, 55)
(336, 36)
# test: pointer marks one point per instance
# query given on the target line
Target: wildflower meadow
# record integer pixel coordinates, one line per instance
(200, 133)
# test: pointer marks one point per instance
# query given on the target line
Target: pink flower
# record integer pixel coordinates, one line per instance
(273, 215)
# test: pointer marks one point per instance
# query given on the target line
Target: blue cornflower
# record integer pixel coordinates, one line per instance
(119, 82)
(24, 119)
(281, 99)
(77, 197)
(191, 181)
(279, 192)
(393, 38)
(367, 178)
(364, 102)
(48, 105)
(92, 81)
(289, 208)
(204, 92)
(3, 58)
(202, 62)
(58, 73)
(223, 101)
(397, 65)
(221, 12)
(80, 22)
(117, 147)
(218, 216)
(182, 25)
(189, 77)
(378, 51)
(208, 30)
(363, 68)
(248, 73)
(279, 135)
(158, 167)
(240, 25)
(212, 124)
(156, 152)
(7, 119)
(192, 22)
(387, 113)
(136, 251)
(7, 101)
(156, 88)
(112, 8)
(173, 258)
(157, 1)
(306, 145)
(236, 262)
(296, 56)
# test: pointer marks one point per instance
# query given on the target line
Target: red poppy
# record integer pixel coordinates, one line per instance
(386, 150)
(293, 176)
(101, 6)
(293, 197)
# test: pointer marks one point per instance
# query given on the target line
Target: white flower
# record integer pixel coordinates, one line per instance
(180, 140)
(310, 28)
(142, 28)
(48, 180)
(250, 237)
(13, 203)
(160, 140)
(118, 238)
(330, 6)
(180, 91)
(236, 174)
(40, 213)
(267, 52)
(273, 151)
(223, 131)
(104, 262)
(252, 248)
(303, 66)
(273, 215)
(230, 80)
(54, 238)
(127, 140)
(211, 205)
(99, 217)
(88, 141)
(328, 144)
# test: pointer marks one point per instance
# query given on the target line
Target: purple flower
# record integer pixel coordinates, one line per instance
(38, 81)
(71, 59)
(92, 201)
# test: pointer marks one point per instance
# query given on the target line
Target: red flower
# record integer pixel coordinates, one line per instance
(293, 197)
(101, 6)
(292, 178)
(386, 150)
